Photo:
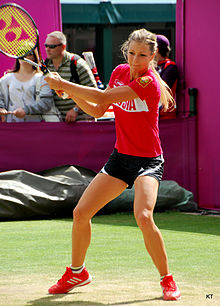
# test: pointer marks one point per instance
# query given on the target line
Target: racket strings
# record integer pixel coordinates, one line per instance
(18, 34)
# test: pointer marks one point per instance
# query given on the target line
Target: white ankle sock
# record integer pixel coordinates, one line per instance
(77, 269)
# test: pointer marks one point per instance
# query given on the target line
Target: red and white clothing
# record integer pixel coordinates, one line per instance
(136, 121)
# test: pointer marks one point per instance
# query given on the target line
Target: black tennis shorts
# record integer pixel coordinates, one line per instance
(127, 167)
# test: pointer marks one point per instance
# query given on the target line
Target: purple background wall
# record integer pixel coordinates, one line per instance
(197, 44)
(191, 145)
(47, 20)
(39, 146)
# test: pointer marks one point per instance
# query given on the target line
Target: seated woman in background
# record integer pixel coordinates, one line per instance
(25, 96)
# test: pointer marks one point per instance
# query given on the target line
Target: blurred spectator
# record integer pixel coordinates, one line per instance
(25, 96)
(72, 68)
(168, 72)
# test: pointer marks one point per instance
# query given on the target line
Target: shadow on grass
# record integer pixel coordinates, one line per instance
(169, 220)
(174, 221)
(52, 300)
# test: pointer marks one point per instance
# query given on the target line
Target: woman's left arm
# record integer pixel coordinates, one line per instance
(94, 95)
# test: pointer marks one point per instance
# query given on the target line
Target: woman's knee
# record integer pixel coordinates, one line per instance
(144, 219)
(80, 217)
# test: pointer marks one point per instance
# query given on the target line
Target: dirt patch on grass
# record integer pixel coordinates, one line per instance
(33, 291)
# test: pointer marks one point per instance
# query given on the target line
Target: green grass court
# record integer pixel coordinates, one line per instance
(34, 255)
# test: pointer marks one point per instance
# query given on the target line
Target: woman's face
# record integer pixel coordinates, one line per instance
(139, 58)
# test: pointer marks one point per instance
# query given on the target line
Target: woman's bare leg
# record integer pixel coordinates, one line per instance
(146, 189)
(101, 190)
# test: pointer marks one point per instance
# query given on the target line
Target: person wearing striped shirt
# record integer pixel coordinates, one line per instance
(59, 60)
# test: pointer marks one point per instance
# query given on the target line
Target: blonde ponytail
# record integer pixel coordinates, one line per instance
(166, 98)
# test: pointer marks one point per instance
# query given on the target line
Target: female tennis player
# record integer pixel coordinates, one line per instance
(134, 90)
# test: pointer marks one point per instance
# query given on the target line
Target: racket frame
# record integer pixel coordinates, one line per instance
(37, 33)
(42, 66)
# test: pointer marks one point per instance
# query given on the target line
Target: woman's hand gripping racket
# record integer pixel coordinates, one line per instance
(19, 36)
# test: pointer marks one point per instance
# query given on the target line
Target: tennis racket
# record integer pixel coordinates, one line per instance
(89, 58)
(19, 36)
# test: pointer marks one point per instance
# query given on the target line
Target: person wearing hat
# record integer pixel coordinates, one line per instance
(167, 70)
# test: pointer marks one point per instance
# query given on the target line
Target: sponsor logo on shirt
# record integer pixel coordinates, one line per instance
(136, 105)
(144, 81)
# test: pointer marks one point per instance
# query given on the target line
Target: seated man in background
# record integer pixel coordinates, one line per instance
(167, 70)
(72, 68)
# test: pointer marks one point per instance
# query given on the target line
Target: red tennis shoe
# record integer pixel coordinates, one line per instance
(170, 290)
(70, 280)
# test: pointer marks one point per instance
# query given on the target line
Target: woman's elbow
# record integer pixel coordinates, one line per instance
(98, 114)
(102, 97)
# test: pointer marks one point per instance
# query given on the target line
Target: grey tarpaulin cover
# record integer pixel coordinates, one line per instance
(55, 192)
